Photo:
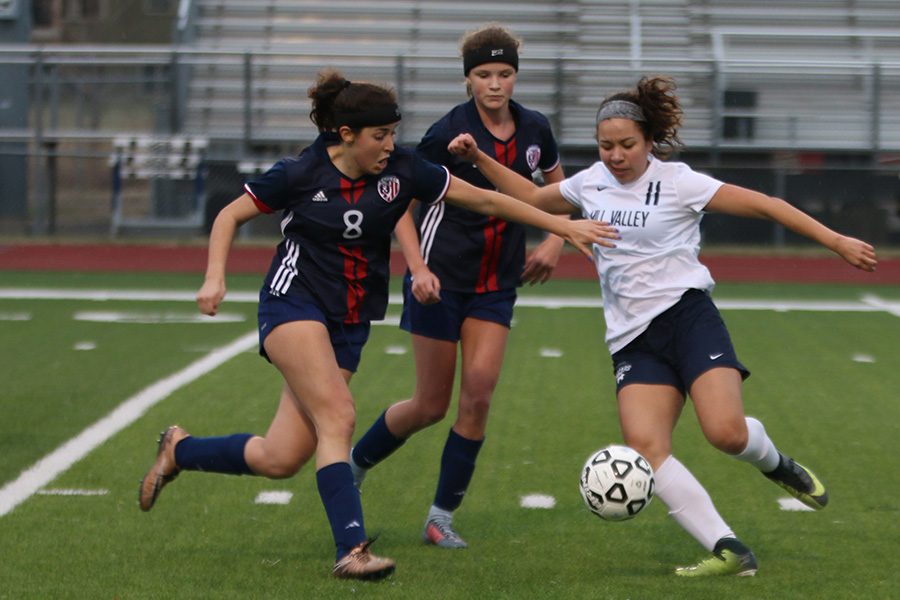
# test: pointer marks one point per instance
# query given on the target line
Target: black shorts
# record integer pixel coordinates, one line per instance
(678, 346)
(443, 320)
(347, 339)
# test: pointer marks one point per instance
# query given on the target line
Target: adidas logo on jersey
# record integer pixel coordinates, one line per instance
(320, 197)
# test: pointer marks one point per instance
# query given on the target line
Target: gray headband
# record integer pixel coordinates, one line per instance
(620, 109)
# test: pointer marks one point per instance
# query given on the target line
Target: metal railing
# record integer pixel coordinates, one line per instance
(233, 95)
(252, 105)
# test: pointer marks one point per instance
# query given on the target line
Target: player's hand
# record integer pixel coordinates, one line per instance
(857, 252)
(426, 287)
(210, 295)
(540, 264)
(464, 146)
(584, 232)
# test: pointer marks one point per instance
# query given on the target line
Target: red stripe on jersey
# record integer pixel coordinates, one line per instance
(500, 153)
(505, 152)
(352, 191)
(262, 206)
(490, 257)
(510, 152)
(355, 270)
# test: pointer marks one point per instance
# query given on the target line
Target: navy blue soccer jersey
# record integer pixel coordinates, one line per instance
(337, 231)
(468, 251)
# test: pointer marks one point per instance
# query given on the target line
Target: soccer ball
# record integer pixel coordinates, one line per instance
(616, 483)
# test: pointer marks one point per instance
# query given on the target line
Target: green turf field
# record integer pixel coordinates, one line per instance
(824, 382)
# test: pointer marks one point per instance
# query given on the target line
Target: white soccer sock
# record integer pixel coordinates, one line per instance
(359, 473)
(689, 503)
(760, 451)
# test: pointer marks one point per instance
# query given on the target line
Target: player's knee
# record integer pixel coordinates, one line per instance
(653, 449)
(431, 414)
(475, 399)
(430, 406)
(282, 469)
(277, 465)
(475, 407)
(345, 424)
(338, 422)
(480, 383)
(730, 437)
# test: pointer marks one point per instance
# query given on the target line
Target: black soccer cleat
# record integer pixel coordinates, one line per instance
(799, 482)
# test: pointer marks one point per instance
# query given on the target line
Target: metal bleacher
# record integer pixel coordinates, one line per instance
(374, 40)
(818, 69)
(810, 66)
(410, 45)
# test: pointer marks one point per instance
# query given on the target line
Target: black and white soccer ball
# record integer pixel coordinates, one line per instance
(616, 483)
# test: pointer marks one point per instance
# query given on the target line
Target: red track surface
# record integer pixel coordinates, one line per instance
(192, 259)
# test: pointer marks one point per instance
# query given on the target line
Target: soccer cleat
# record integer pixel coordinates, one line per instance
(359, 563)
(730, 557)
(799, 482)
(440, 533)
(164, 469)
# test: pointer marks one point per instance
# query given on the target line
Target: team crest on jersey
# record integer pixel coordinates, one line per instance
(533, 156)
(388, 188)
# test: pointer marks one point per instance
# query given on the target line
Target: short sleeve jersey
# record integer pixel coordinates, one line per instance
(468, 251)
(337, 230)
(656, 260)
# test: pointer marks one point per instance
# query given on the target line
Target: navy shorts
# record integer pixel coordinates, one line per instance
(679, 345)
(347, 339)
(443, 320)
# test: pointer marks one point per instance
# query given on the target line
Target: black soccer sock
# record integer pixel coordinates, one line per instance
(457, 467)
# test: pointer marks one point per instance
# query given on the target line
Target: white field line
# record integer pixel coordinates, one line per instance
(537, 501)
(102, 295)
(45, 470)
(274, 497)
(794, 505)
(156, 317)
(72, 492)
(875, 301)
(868, 303)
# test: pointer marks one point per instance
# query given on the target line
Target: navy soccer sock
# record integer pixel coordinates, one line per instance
(457, 467)
(376, 444)
(342, 505)
(215, 454)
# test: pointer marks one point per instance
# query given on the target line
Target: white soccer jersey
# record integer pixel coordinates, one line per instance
(655, 262)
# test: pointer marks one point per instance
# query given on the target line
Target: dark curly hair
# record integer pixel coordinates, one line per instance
(662, 111)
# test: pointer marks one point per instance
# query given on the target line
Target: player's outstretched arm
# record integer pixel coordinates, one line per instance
(743, 202)
(547, 198)
(581, 233)
(224, 227)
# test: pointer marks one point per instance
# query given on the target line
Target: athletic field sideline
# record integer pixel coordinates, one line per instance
(793, 267)
(98, 363)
